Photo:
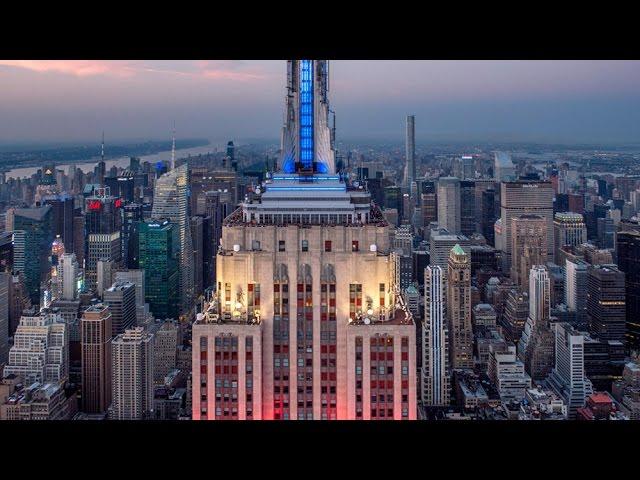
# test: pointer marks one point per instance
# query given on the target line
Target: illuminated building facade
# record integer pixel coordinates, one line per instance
(307, 321)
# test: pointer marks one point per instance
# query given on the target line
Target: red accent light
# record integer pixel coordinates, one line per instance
(118, 203)
(95, 205)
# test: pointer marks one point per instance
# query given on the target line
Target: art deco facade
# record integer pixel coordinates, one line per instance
(307, 321)
(459, 309)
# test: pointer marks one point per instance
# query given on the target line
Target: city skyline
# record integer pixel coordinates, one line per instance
(537, 101)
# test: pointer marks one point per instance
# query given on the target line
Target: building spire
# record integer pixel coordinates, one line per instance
(173, 148)
(102, 152)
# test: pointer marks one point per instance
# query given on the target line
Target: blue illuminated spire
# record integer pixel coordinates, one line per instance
(307, 140)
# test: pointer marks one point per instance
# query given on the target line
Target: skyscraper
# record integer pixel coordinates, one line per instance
(606, 307)
(575, 287)
(449, 204)
(410, 152)
(429, 203)
(568, 377)
(102, 225)
(467, 207)
(170, 201)
(121, 300)
(525, 197)
(503, 168)
(5, 285)
(33, 234)
(628, 249)
(529, 246)
(569, 229)
(435, 341)
(459, 309)
(307, 299)
(71, 276)
(536, 346)
(96, 331)
(132, 375)
(307, 144)
(159, 245)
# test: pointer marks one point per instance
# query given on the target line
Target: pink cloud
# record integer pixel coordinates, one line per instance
(208, 69)
(79, 68)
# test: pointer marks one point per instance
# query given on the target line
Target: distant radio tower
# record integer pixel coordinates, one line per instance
(173, 148)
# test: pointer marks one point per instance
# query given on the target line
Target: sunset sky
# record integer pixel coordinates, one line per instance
(564, 101)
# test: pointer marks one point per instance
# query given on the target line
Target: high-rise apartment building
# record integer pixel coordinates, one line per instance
(170, 201)
(529, 246)
(40, 351)
(132, 375)
(95, 327)
(525, 197)
(410, 152)
(449, 204)
(459, 309)
(435, 341)
(575, 287)
(308, 321)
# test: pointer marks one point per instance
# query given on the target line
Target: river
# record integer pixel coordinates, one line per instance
(89, 164)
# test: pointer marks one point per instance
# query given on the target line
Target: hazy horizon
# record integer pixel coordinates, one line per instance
(565, 102)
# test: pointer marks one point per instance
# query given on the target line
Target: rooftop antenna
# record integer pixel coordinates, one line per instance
(173, 148)
(102, 153)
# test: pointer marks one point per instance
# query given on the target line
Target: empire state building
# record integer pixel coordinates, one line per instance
(307, 321)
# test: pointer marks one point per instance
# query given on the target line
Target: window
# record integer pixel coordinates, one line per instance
(327, 245)
(354, 245)
(281, 245)
(255, 245)
(305, 245)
